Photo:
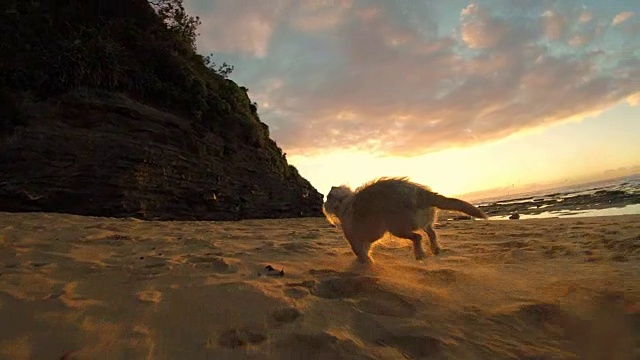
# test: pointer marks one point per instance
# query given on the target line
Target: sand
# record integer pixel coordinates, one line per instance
(75, 287)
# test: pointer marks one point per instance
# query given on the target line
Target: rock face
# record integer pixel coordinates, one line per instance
(130, 124)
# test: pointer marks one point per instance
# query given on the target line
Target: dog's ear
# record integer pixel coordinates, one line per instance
(330, 193)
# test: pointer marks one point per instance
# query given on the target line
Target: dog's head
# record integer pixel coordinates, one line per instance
(335, 197)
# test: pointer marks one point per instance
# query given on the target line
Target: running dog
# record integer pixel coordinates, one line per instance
(394, 205)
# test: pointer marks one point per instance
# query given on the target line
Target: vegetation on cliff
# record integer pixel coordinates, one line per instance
(50, 47)
(64, 61)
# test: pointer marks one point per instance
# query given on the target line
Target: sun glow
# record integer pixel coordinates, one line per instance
(557, 153)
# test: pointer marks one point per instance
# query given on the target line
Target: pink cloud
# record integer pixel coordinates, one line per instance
(471, 9)
(381, 83)
(578, 40)
(622, 17)
(585, 16)
(479, 30)
(246, 27)
(554, 25)
(316, 15)
(238, 26)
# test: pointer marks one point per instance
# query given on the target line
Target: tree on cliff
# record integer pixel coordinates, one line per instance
(173, 14)
(48, 47)
(184, 27)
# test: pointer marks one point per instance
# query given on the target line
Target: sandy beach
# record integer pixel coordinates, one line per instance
(74, 287)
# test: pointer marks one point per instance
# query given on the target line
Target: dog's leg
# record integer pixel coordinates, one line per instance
(433, 240)
(418, 251)
(362, 252)
(416, 238)
(359, 246)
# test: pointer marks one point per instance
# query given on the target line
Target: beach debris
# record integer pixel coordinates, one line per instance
(309, 284)
(286, 315)
(461, 217)
(68, 355)
(236, 338)
(271, 271)
(514, 216)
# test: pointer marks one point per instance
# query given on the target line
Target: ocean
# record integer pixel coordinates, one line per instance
(620, 196)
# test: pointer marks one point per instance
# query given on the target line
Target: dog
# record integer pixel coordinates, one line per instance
(394, 205)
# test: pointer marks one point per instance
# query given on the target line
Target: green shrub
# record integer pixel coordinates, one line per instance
(176, 19)
(46, 51)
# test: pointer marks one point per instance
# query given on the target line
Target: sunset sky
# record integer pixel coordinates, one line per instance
(462, 96)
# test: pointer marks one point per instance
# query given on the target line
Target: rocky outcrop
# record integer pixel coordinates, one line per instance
(133, 125)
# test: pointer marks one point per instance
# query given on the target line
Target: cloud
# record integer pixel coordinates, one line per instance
(402, 78)
(471, 9)
(585, 16)
(316, 15)
(554, 25)
(238, 26)
(634, 100)
(622, 17)
(578, 40)
(481, 31)
(246, 27)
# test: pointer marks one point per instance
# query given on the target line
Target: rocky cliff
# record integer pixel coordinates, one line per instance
(105, 112)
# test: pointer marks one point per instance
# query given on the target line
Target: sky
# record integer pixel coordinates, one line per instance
(462, 96)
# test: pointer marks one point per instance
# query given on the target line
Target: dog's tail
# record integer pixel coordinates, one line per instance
(445, 203)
